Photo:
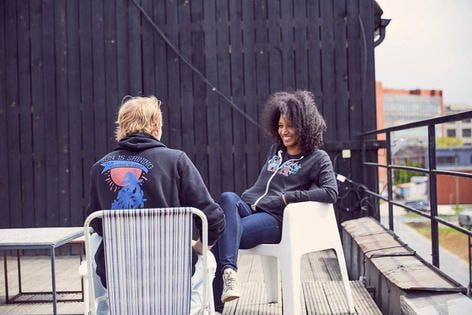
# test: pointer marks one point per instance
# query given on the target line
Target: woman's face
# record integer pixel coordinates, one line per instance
(289, 135)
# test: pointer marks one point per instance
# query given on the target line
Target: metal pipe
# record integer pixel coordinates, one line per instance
(389, 182)
(433, 194)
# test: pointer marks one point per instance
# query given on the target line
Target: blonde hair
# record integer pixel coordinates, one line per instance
(139, 115)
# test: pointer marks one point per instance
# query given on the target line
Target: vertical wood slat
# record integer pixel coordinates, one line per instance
(87, 107)
(25, 104)
(186, 87)
(112, 97)
(51, 180)
(252, 145)
(75, 126)
(327, 68)
(4, 154)
(262, 73)
(62, 112)
(13, 132)
(99, 57)
(39, 113)
(214, 162)
(199, 91)
(237, 89)
(173, 77)
(224, 85)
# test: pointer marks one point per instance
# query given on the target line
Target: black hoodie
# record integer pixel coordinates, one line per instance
(143, 173)
(303, 177)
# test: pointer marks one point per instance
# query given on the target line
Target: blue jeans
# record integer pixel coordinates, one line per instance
(244, 229)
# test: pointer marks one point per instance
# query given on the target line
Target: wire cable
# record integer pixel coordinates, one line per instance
(193, 68)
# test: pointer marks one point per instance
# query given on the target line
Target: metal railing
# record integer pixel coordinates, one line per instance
(431, 171)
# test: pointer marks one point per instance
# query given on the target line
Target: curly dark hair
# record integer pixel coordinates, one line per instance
(300, 109)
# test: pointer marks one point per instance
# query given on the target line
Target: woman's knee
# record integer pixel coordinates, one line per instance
(228, 196)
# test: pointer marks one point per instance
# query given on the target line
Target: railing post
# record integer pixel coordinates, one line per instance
(433, 200)
(389, 181)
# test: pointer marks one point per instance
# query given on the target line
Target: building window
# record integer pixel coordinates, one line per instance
(447, 160)
(466, 133)
(451, 133)
(466, 120)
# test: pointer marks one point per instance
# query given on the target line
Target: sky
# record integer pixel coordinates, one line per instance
(428, 45)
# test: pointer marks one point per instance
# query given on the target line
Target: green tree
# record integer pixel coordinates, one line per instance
(404, 176)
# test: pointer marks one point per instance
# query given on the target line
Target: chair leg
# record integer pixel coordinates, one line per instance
(271, 278)
(345, 277)
(291, 284)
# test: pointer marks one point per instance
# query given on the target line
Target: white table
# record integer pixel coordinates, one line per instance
(38, 238)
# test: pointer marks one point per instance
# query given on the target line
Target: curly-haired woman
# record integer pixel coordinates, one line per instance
(296, 170)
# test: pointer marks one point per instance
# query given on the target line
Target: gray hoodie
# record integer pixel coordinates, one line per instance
(303, 177)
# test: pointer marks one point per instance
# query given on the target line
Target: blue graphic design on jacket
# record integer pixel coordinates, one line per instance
(126, 177)
(289, 167)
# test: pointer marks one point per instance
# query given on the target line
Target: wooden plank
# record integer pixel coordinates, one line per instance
(135, 65)
(86, 98)
(51, 180)
(300, 38)
(363, 302)
(111, 72)
(122, 38)
(148, 51)
(328, 66)
(100, 125)
(237, 96)
(341, 71)
(39, 115)
(186, 86)
(275, 54)
(173, 77)
(12, 112)
(287, 46)
(262, 73)
(214, 162)
(4, 180)
(252, 145)
(199, 91)
(26, 139)
(62, 111)
(160, 64)
(314, 51)
(224, 85)
(75, 126)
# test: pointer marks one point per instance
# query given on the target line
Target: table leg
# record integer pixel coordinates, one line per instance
(53, 277)
(19, 271)
(5, 271)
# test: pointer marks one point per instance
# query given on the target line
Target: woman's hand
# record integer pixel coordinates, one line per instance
(284, 200)
(198, 247)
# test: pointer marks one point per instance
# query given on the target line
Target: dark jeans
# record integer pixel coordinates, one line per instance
(244, 229)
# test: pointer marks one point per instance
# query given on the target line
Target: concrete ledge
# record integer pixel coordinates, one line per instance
(436, 304)
(389, 267)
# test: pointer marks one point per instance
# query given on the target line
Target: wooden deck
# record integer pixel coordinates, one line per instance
(323, 292)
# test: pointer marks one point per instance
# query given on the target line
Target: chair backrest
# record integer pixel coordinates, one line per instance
(301, 218)
(148, 259)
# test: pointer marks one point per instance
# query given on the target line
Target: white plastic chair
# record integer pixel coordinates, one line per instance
(307, 227)
(147, 254)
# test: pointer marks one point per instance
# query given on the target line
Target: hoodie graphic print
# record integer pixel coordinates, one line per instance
(126, 174)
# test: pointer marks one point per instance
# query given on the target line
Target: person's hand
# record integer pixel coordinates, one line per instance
(198, 247)
(284, 200)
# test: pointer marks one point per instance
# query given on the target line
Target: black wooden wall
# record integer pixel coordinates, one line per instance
(65, 65)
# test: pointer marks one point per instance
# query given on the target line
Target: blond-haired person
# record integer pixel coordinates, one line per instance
(143, 173)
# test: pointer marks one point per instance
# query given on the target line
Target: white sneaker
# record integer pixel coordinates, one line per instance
(230, 286)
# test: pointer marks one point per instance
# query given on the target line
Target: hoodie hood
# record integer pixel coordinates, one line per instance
(138, 142)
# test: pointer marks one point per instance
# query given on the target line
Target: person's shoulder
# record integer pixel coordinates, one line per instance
(319, 155)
